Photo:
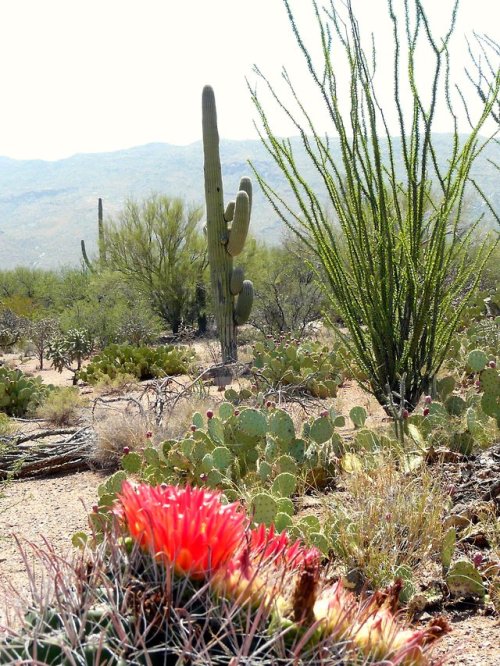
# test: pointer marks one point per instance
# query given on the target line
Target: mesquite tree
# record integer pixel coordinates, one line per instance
(157, 246)
(398, 203)
(226, 232)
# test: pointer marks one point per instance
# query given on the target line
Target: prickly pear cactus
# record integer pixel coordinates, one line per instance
(306, 367)
(476, 360)
(464, 580)
(226, 234)
(489, 381)
(19, 393)
(358, 416)
(448, 547)
(264, 508)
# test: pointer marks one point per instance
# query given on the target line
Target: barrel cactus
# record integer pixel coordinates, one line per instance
(226, 231)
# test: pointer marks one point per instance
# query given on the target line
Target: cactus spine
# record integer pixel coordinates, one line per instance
(101, 242)
(224, 241)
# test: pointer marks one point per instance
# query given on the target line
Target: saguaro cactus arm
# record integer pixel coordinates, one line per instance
(101, 241)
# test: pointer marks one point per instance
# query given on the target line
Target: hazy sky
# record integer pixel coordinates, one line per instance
(100, 75)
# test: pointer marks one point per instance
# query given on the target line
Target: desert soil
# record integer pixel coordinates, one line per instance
(54, 508)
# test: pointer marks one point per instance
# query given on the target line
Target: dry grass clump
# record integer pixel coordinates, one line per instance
(489, 562)
(177, 421)
(62, 406)
(6, 425)
(117, 430)
(385, 521)
(120, 384)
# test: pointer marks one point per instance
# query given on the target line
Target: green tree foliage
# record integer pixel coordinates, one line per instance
(26, 290)
(157, 247)
(288, 296)
(108, 308)
(402, 234)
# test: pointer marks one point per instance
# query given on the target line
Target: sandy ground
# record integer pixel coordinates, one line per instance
(34, 510)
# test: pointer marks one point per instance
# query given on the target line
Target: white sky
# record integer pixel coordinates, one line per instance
(100, 75)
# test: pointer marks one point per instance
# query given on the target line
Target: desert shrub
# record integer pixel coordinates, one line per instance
(141, 362)
(19, 394)
(287, 295)
(307, 366)
(118, 385)
(29, 292)
(12, 328)
(157, 248)
(102, 308)
(138, 327)
(61, 406)
(228, 593)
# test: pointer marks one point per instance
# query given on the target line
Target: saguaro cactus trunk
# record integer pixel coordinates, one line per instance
(101, 242)
(224, 241)
(100, 230)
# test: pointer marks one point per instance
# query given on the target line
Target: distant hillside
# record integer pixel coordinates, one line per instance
(47, 207)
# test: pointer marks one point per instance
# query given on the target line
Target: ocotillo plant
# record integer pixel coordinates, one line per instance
(398, 266)
(226, 233)
(102, 247)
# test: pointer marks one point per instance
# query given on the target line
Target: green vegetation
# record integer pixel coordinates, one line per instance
(307, 367)
(291, 514)
(140, 362)
(101, 242)
(157, 248)
(226, 231)
(402, 236)
(19, 394)
(62, 406)
(73, 346)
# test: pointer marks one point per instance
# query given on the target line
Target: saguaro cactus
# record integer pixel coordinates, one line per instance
(226, 233)
(102, 246)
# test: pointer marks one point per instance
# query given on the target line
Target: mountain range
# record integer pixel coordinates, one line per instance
(46, 208)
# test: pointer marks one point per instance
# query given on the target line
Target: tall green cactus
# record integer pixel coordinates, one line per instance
(226, 233)
(102, 245)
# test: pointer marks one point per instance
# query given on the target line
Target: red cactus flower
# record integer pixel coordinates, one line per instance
(266, 544)
(187, 527)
